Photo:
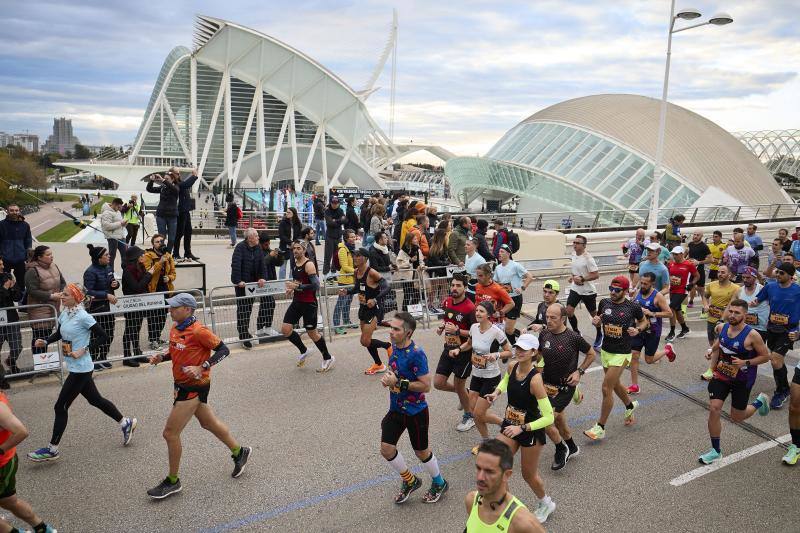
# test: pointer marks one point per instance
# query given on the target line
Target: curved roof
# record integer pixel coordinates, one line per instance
(695, 148)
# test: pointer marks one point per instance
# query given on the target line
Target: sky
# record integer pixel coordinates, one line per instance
(467, 71)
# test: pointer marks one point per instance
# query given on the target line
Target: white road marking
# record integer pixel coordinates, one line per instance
(41, 224)
(727, 460)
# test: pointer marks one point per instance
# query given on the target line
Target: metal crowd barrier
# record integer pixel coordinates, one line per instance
(20, 336)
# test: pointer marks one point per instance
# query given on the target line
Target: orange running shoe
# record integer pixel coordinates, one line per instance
(375, 369)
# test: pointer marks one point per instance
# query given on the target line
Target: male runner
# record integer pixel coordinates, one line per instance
(408, 380)
(492, 508)
(737, 352)
(584, 270)
(515, 280)
(621, 319)
(459, 315)
(652, 263)
(559, 347)
(549, 294)
(655, 308)
(784, 314)
(717, 247)
(634, 250)
(719, 294)
(680, 272)
(757, 316)
(12, 432)
(303, 290)
(488, 289)
(190, 345)
(738, 256)
(375, 289)
(700, 255)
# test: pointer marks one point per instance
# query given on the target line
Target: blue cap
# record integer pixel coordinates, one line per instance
(182, 300)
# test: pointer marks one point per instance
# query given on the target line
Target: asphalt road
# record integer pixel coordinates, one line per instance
(316, 465)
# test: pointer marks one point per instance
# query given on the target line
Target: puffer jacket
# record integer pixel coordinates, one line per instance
(346, 267)
(152, 263)
(247, 263)
(40, 283)
(111, 223)
(97, 281)
(15, 240)
(167, 198)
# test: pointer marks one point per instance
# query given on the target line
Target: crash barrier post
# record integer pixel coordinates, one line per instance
(36, 322)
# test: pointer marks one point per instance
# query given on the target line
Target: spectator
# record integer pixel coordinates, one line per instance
(113, 225)
(288, 231)
(437, 262)
(500, 237)
(433, 218)
(266, 303)
(15, 241)
(365, 215)
(159, 262)
(351, 221)
(754, 239)
(672, 232)
(319, 218)
(167, 209)
(232, 216)
(398, 216)
(9, 332)
(132, 214)
(306, 238)
(135, 280)
(456, 245)
(796, 234)
(341, 312)
(247, 266)
(186, 205)
(421, 230)
(99, 285)
(43, 284)
(375, 223)
(482, 247)
(334, 220)
(409, 222)
(382, 259)
(410, 261)
(472, 261)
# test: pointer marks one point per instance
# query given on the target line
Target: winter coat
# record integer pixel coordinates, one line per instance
(456, 246)
(287, 232)
(111, 223)
(185, 200)
(232, 215)
(8, 297)
(167, 198)
(483, 247)
(319, 209)
(334, 219)
(40, 283)
(152, 263)
(247, 263)
(270, 263)
(346, 265)
(135, 278)
(352, 219)
(15, 240)
(97, 282)
(379, 261)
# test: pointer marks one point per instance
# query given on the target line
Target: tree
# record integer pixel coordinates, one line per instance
(82, 152)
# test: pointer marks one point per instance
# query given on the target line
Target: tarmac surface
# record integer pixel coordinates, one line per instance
(316, 464)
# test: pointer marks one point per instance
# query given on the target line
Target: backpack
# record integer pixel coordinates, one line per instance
(513, 241)
(239, 213)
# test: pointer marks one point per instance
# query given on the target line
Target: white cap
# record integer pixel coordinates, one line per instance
(527, 341)
(653, 246)
(677, 250)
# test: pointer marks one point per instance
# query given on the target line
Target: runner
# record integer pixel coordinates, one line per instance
(303, 290)
(561, 374)
(655, 308)
(719, 294)
(738, 257)
(471, 264)
(494, 465)
(459, 315)
(757, 316)
(784, 313)
(75, 327)
(549, 294)
(734, 357)
(408, 381)
(621, 319)
(634, 250)
(13, 432)
(700, 256)
(653, 264)
(581, 289)
(190, 346)
(486, 290)
(680, 272)
(486, 371)
(375, 289)
(515, 280)
(528, 412)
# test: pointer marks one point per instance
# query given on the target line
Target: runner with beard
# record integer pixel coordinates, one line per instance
(549, 294)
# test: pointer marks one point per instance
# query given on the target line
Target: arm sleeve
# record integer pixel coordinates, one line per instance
(503, 385)
(55, 336)
(220, 353)
(383, 285)
(763, 294)
(547, 415)
(314, 285)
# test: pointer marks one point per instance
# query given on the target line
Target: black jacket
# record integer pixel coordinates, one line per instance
(483, 248)
(364, 216)
(352, 219)
(334, 219)
(167, 198)
(287, 232)
(7, 299)
(135, 278)
(379, 260)
(15, 241)
(185, 200)
(319, 209)
(270, 263)
(232, 215)
(247, 263)
(97, 281)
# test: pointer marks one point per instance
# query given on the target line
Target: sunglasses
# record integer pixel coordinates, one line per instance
(579, 242)
(611, 288)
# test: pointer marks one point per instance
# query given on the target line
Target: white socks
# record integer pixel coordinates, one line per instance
(432, 466)
(398, 463)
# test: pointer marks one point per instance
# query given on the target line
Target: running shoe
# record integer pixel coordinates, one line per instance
(544, 510)
(792, 454)
(629, 413)
(669, 351)
(43, 454)
(375, 369)
(684, 332)
(708, 375)
(406, 490)
(435, 493)
(340, 331)
(327, 364)
(247, 345)
(763, 410)
(704, 314)
(240, 461)
(301, 359)
(49, 529)
(560, 458)
(577, 396)
(467, 423)
(711, 456)
(475, 450)
(595, 433)
(164, 489)
(670, 336)
(779, 399)
(127, 430)
(633, 389)
(574, 451)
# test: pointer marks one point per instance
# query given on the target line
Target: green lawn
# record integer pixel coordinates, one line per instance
(59, 233)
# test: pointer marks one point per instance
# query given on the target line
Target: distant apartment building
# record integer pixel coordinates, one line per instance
(62, 140)
(26, 140)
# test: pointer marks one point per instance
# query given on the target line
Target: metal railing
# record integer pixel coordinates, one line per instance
(23, 358)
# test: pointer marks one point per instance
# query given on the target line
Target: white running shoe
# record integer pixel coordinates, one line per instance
(327, 364)
(467, 423)
(544, 510)
(301, 359)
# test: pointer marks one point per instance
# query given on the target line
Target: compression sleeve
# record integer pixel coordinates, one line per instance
(314, 285)
(220, 353)
(383, 285)
(503, 385)
(54, 336)
(547, 415)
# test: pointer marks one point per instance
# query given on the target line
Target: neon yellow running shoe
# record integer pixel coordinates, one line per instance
(595, 433)
(708, 375)
(792, 454)
(629, 413)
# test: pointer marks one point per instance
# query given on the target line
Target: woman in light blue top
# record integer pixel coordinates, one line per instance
(75, 328)
(514, 279)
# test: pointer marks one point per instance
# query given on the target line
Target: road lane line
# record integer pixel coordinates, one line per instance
(727, 460)
(42, 224)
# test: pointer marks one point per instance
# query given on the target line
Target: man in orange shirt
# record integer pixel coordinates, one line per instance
(488, 289)
(190, 345)
(421, 229)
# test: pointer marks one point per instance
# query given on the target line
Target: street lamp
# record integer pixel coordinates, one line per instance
(720, 19)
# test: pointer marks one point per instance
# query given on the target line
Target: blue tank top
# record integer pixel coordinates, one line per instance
(734, 347)
(649, 303)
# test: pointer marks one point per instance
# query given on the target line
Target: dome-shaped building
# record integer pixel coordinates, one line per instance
(596, 153)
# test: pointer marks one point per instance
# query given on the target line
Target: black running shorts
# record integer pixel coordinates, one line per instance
(739, 391)
(187, 392)
(778, 342)
(394, 423)
(483, 386)
(305, 310)
(460, 366)
(528, 439)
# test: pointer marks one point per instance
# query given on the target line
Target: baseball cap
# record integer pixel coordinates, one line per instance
(653, 246)
(527, 341)
(506, 247)
(622, 281)
(182, 300)
(552, 284)
(677, 250)
(787, 267)
(750, 271)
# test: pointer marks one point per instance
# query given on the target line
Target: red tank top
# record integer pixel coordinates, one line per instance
(299, 275)
(4, 435)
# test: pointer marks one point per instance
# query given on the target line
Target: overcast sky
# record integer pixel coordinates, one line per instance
(467, 71)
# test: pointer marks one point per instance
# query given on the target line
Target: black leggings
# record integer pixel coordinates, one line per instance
(75, 384)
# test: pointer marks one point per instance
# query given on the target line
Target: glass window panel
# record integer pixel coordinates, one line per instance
(572, 144)
(591, 161)
(555, 144)
(577, 156)
(606, 168)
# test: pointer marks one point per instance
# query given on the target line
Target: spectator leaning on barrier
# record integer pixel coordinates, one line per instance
(456, 246)
(384, 261)
(266, 303)
(334, 221)
(167, 209)
(159, 262)
(15, 241)
(232, 216)
(132, 214)
(9, 332)
(247, 266)
(99, 285)
(135, 280)
(341, 312)
(113, 225)
(420, 230)
(186, 205)
(43, 284)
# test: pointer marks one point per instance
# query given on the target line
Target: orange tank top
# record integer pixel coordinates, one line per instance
(4, 435)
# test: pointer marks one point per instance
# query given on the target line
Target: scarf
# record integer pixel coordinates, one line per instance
(382, 248)
(186, 323)
(350, 247)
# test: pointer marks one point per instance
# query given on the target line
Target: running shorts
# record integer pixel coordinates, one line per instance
(305, 310)
(615, 359)
(517, 310)
(589, 300)
(739, 391)
(460, 366)
(676, 300)
(796, 378)
(778, 342)
(367, 314)
(187, 392)
(711, 332)
(701, 269)
(394, 423)
(483, 386)
(647, 342)
(528, 439)
(561, 400)
(8, 478)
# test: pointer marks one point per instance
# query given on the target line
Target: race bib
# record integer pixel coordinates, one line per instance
(654, 320)
(633, 268)
(612, 330)
(66, 347)
(751, 319)
(452, 340)
(552, 390)
(727, 369)
(674, 281)
(514, 416)
(779, 319)
(715, 311)
(478, 361)
(362, 299)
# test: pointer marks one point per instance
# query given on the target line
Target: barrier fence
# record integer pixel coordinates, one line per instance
(23, 358)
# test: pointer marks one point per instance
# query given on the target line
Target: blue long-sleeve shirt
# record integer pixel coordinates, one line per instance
(784, 305)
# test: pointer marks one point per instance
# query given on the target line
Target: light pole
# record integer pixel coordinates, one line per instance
(720, 19)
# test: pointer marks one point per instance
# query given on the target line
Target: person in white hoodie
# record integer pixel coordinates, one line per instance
(113, 226)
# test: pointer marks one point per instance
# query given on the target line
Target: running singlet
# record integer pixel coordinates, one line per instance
(616, 319)
(4, 435)
(718, 299)
(716, 254)
(493, 293)
(560, 354)
(756, 316)
(635, 251)
(738, 258)
(679, 275)
(191, 347)
(476, 525)
(523, 407)
(734, 347)
(649, 303)
(407, 363)
(368, 293)
(784, 306)
(461, 314)
(299, 275)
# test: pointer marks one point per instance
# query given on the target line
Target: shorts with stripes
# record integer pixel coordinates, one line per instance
(394, 424)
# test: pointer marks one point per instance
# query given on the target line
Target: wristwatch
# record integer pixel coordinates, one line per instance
(206, 365)
(747, 363)
(581, 371)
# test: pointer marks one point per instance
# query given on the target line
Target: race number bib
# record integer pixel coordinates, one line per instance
(66, 348)
(478, 361)
(552, 390)
(751, 319)
(514, 416)
(727, 369)
(779, 319)
(715, 311)
(612, 330)
(452, 340)
(674, 281)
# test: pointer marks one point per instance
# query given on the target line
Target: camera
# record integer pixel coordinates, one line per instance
(5, 276)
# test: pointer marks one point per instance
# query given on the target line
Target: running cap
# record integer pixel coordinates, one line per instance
(527, 341)
(182, 300)
(622, 281)
(787, 267)
(506, 247)
(552, 285)
(653, 246)
(677, 250)
(750, 271)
